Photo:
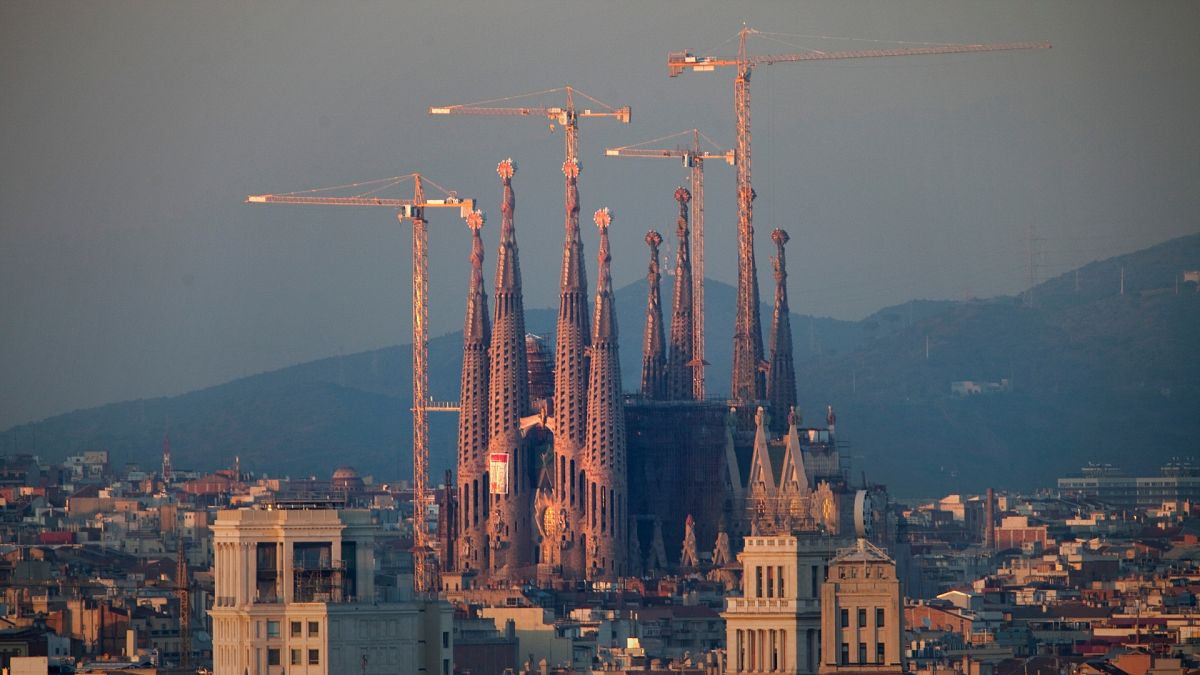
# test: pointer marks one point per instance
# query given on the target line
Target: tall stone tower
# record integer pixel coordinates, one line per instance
(570, 385)
(606, 502)
(747, 383)
(781, 375)
(654, 358)
(473, 433)
(509, 518)
(679, 364)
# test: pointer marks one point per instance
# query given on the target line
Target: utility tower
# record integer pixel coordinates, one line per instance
(413, 210)
(747, 382)
(693, 158)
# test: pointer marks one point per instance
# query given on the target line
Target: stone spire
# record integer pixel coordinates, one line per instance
(760, 486)
(747, 383)
(509, 398)
(781, 376)
(473, 418)
(606, 503)
(680, 362)
(654, 360)
(570, 383)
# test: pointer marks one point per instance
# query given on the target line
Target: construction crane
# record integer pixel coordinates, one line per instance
(567, 116)
(413, 210)
(748, 353)
(693, 158)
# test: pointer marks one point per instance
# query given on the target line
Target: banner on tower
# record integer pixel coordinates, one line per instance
(498, 472)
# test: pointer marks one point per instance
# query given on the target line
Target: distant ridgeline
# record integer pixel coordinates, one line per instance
(1095, 365)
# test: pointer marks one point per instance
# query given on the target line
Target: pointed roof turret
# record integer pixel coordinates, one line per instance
(476, 327)
(605, 327)
(781, 375)
(473, 405)
(680, 362)
(573, 333)
(605, 455)
(793, 478)
(760, 488)
(654, 360)
(508, 395)
(762, 473)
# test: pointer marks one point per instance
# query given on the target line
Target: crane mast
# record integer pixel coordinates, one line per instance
(567, 116)
(424, 567)
(693, 157)
(747, 383)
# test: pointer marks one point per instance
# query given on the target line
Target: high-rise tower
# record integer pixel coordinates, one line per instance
(680, 362)
(781, 375)
(473, 431)
(606, 501)
(570, 383)
(508, 401)
(654, 359)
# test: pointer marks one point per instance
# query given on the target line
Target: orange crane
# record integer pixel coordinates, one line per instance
(567, 115)
(748, 357)
(424, 572)
(693, 158)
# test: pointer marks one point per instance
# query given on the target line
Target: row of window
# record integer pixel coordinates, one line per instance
(297, 627)
(862, 617)
(844, 657)
(296, 657)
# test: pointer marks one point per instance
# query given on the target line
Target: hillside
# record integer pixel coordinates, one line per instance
(352, 409)
(1095, 376)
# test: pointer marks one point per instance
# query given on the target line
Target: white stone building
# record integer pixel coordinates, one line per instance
(775, 626)
(295, 593)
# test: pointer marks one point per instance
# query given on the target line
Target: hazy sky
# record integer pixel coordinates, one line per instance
(130, 132)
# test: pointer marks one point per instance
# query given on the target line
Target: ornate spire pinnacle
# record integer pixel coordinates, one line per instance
(760, 487)
(654, 361)
(473, 418)
(680, 362)
(781, 376)
(508, 396)
(747, 383)
(607, 507)
(572, 336)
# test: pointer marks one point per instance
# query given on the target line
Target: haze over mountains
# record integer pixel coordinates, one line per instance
(1093, 375)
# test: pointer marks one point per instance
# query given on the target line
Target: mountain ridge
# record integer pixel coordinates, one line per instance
(1080, 359)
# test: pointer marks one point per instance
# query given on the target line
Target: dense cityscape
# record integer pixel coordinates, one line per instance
(577, 520)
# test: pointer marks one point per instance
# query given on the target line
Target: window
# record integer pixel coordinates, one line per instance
(862, 617)
(314, 629)
(297, 629)
(314, 657)
(758, 582)
(845, 618)
(879, 617)
(272, 629)
(845, 655)
(862, 652)
(272, 657)
(445, 639)
(297, 657)
(878, 652)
